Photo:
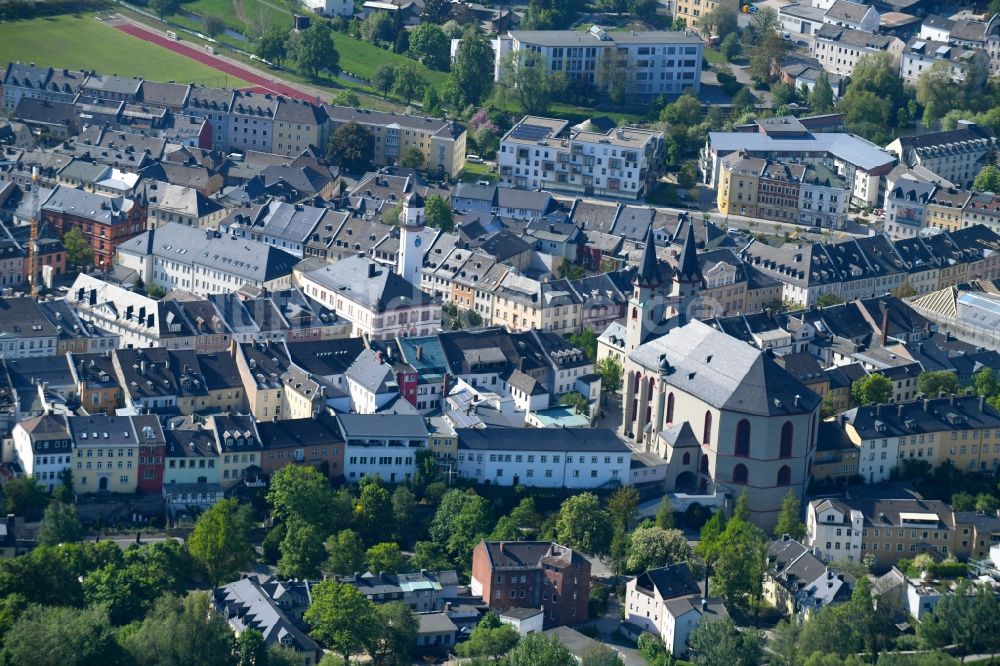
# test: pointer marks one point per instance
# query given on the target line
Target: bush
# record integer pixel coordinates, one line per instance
(597, 601)
(695, 516)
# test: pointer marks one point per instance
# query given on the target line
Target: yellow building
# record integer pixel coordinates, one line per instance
(441, 142)
(105, 453)
(692, 11)
(442, 440)
(739, 179)
(297, 126)
(945, 208)
(240, 446)
(522, 304)
(275, 388)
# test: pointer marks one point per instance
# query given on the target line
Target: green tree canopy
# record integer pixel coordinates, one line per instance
(220, 541)
(653, 547)
(385, 77)
(379, 29)
(720, 643)
(584, 525)
(314, 50)
(301, 550)
(789, 520)
(611, 372)
(352, 146)
(79, 254)
(346, 553)
(934, 382)
(490, 638)
(431, 46)
(461, 521)
(60, 524)
(871, 389)
(438, 213)
(665, 514)
(408, 83)
(180, 631)
(988, 179)
(471, 78)
(539, 650)
(395, 636)
(385, 557)
(821, 96)
(527, 79)
(61, 636)
(342, 618)
(273, 47)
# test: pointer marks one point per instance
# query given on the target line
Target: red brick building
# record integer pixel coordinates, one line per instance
(105, 222)
(532, 574)
(315, 441)
(152, 453)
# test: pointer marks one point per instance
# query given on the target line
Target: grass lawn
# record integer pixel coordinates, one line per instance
(81, 42)
(363, 59)
(714, 57)
(475, 172)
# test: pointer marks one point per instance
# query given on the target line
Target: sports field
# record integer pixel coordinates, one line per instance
(85, 43)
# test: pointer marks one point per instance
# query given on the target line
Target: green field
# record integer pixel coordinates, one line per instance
(85, 43)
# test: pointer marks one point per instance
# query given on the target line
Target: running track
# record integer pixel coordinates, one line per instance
(262, 84)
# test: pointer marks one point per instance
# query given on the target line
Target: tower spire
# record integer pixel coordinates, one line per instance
(687, 269)
(649, 274)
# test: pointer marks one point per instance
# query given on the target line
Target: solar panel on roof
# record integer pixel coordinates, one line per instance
(530, 132)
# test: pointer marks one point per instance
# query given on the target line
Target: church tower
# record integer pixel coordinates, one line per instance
(645, 308)
(411, 255)
(686, 275)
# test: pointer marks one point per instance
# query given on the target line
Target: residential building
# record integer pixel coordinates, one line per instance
(442, 142)
(39, 83)
(906, 207)
(332, 7)
(183, 205)
(105, 453)
(376, 301)
(276, 388)
(315, 442)
(838, 48)
(175, 256)
(692, 10)
(250, 604)
(544, 153)
(664, 62)
(42, 447)
(384, 445)
(25, 331)
(955, 155)
(152, 453)
(558, 458)
(854, 15)
(423, 591)
(251, 121)
(105, 222)
(945, 208)
(532, 574)
(213, 105)
(97, 382)
(240, 445)
(192, 462)
(860, 163)
(798, 583)
(668, 602)
(179, 379)
(919, 54)
(299, 125)
(982, 208)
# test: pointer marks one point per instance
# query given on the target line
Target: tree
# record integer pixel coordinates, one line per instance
(404, 512)
(301, 550)
(584, 525)
(789, 521)
(220, 541)
(78, 251)
(871, 389)
(351, 146)
(489, 638)
(935, 91)
(428, 555)
(346, 553)
(164, 8)
(665, 514)
(549, 14)
(436, 11)
(539, 650)
(653, 547)
(315, 52)
(251, 648)
(720, 643)
(985, 382)
(783, 93)
(61, 636)
(395, 635)
(60, 524)
(769, 50)
(567, 270)
(437, 213)
(505, 530)
(379, 29)
(764, 23)
(430, 46)
(23, 496)
(740, 564)
(124, 591)
(347, 98)
(385, 77)
(934, 382)
(214, 25)
(685, 112)
(471, 78)
(526, 77)
(873, 97)
(731, 46)
(601, 655)
(821, 96)
(341, 618)
(722, 21)
(432, 102)
(743, 100)
(585, 341)
(460, 523)
(829, 632)
(273, 47)
(299, 491)
(623, 506)
(373, 513)
(524, 515)
(408, 82)
(385, 558)
(784, 646)
(988, 179)
(577, 401)
(611, 371)
(963, 501)
(180, 631)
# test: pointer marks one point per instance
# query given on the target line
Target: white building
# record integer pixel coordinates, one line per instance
(668, 602)
(543, 457)
(955, 155)
(176, 256)
(183, 205)
(661, 62)
(920, 54)
(381, 444)
(42, 447)
(375, 300)
(835, 530)
(838, 48)
(545, 153)
(849, 14)
(331, 7)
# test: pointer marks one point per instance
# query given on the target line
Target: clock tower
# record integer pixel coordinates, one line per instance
(411, 238)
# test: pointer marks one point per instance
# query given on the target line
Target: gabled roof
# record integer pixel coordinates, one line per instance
(670, 582)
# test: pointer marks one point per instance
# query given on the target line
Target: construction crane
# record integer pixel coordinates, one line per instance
(33, 241)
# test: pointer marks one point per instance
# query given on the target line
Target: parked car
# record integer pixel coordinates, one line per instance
(475, 159)
(814, 230)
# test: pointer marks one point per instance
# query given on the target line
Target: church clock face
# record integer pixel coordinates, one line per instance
(417, 241)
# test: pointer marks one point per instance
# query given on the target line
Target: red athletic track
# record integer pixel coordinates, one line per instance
(261, 84)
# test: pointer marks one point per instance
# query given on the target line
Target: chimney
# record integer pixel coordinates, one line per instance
(927, 404)
(142, 368)
(797, 399)
(878, 410)
(378, 357)
(982, 399)
(899, 410)
(371, 270)
(885, 321)
(951, 400)
(420, 352)
(502, 547)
